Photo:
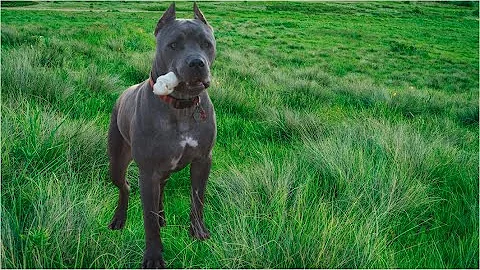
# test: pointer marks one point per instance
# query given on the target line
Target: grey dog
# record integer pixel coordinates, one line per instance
(163, 134)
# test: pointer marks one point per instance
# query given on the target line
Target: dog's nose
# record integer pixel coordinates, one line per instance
(196, 63)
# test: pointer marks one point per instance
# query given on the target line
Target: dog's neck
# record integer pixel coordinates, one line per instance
(177, 103)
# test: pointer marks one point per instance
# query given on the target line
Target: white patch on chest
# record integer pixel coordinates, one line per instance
(188, 141)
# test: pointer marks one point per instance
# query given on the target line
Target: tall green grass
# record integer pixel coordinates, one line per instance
(361, 195)
(347, 137)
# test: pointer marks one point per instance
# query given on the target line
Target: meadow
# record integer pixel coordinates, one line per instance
(347, 135)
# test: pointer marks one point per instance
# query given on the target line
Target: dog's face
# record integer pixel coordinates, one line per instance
(186, 47)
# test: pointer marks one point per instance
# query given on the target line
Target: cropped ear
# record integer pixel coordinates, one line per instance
(167, 17)
(198, 15)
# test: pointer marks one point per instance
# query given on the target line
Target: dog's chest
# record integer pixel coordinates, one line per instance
(188, 147)
(171, 140)
(187, 142)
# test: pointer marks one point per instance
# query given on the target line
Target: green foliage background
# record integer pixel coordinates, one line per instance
(347, 136)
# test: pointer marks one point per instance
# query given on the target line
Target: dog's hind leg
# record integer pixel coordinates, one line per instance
(120, 156)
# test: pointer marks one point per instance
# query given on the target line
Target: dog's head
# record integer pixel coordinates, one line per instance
(187, 48)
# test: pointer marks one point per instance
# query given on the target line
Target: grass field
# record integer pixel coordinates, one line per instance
(347, 136)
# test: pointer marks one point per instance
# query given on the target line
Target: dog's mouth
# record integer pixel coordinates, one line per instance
(198, 84)
(192, 84)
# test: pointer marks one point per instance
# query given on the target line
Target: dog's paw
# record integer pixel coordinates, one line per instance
(118, 222)
(199, 231)
(152, 259)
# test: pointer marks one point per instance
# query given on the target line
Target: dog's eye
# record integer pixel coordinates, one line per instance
(206, 44)
(172, 45)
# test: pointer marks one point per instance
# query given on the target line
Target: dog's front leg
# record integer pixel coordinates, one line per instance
(150, 194)
(199, 171)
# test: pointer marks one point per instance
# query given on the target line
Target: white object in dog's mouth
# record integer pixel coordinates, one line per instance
(165, 84)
